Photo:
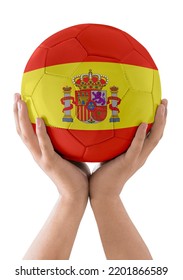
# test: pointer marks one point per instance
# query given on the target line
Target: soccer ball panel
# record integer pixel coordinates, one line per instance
(104, 41)
(63, 35)
(139, 78)
(66, 52)
(30, 81)
(37, 59)
(141, 50)
(99, 152)
(68, 146)
(90, 138)
(137, 57)
(136, 107)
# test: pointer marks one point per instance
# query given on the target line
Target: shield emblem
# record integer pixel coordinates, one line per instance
(91, 105)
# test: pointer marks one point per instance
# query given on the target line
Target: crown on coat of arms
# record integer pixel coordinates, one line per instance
(90, 81)
(67, 89)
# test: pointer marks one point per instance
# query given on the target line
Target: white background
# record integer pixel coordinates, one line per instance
(153, 197)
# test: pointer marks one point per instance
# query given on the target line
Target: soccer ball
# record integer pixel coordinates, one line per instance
(93, 85)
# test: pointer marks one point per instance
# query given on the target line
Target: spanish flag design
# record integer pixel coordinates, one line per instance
(93, 85)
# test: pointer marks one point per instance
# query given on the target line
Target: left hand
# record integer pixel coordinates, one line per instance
(108, 181)
(71, 179)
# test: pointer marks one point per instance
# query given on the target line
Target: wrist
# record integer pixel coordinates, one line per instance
(101, 201)
(75, 199)
(105, 193)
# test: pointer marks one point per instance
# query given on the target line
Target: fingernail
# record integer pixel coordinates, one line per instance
(164, 101)
(19, 106)
(38, 122)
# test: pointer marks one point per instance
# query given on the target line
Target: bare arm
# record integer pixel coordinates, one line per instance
(119, 236)
(56, 238)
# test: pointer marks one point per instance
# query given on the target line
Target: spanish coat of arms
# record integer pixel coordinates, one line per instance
(90, 100)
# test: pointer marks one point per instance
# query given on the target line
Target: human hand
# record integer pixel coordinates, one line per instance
(71, 179)
(109, 179)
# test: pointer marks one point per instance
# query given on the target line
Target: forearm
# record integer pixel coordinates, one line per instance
(56, 238)
(119, 236)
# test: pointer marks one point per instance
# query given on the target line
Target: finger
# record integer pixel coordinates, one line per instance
(27, 133)
(157, 129)
(137, 143)
(165, 103)
(45, 144)
(15, 111)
